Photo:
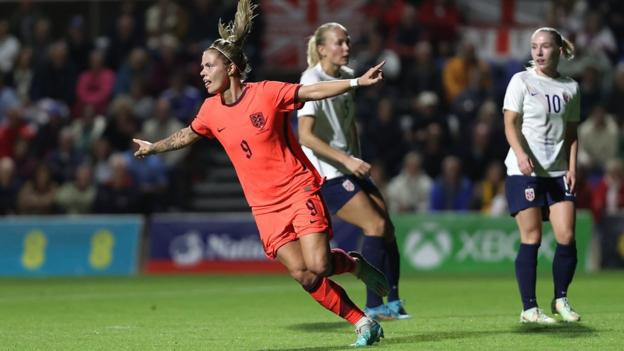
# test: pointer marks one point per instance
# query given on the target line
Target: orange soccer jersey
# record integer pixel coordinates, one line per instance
(256, 134)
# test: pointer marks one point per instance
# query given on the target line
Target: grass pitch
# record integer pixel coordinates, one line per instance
(451, 312)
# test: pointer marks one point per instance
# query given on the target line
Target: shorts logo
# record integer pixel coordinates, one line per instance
(529, 193)
(348, 185)
(258, 120)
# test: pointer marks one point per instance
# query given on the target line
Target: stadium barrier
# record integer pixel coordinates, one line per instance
(224, 243)
(69, 246)
(611, 231)
(475, 243)
(430, 242)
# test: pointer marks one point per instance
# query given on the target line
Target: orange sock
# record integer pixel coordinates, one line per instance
(333, 297)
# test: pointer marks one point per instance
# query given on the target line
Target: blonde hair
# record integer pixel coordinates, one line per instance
(233, 37)
(318, 38)
(561, 41)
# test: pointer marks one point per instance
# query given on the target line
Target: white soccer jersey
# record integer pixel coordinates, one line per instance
(334, 122)
(546, 105)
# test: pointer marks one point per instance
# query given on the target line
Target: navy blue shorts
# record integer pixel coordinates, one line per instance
(338, 191)
(525, 192)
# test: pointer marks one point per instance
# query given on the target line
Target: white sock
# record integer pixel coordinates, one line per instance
(363, 321)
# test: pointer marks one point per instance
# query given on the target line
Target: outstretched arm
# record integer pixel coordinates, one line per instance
(323, 90)
(175, 141)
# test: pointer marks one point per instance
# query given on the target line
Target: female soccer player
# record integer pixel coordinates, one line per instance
(327, 131)
(250, 120)
(541, 111)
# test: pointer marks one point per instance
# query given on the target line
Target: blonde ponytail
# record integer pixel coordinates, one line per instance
(568, 48)
(233, 37)
(317, 39)
(313, 55)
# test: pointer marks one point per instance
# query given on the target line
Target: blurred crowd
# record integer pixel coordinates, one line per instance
(70, 104)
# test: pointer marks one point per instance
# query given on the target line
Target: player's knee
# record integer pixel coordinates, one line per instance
(566, 237)
(531, 236)
(320, 268)
(375, 226)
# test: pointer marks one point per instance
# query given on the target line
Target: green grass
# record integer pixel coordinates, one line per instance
(458, 312)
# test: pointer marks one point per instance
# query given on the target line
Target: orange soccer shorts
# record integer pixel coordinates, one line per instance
(307, 214)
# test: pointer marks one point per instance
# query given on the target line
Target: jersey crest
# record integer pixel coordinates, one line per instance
(258, 120)
(529, 194)
(566, 97)
(348, 185)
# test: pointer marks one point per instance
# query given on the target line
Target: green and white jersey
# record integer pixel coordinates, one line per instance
(546, 105)
(334, 122)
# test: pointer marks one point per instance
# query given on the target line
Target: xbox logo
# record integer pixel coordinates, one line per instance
(427, 246)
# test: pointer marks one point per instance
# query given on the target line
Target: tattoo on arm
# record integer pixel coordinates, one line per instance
(175, 141)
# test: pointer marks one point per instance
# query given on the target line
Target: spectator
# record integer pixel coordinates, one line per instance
(160, 126)
(38, 194)
(22, 74)
(457, 71)
(451, 191)
(79, 45)
(596, 36)
(100, 160)
(183, 99)
(489, 194)
(598, 140)
(615, 105)
(42, 39)
(410, 190)
(122, 41)
(51, 118)
(423, 74)
(64, 159)
(386, 138)
(9, 187)
(12, 128)
(440, 20)
(136, 66)
(8, 99)
(77, 196)
(142, 103)
(56, 77)
(123, 126)
(87, 128)
(165, 17)
(609, 193)
(119, 194)
(9, 48)
(95, 85)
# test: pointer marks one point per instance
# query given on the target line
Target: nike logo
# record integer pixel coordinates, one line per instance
(533, 94)
(313, 221)
(220, 129)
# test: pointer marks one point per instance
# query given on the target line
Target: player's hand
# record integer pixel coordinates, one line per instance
(372, 76)
(145, 148)
(358, 167)
(570, 180)
(525, 164)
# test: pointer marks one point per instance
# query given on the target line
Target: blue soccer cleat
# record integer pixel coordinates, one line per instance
(397, 311)
(379, 313)
(368, 334)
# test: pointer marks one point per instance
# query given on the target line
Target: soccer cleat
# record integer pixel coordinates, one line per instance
(368, 334)
(371, 276)
(397, 311)
(535, 315)
(379, 313)
(562, 307)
